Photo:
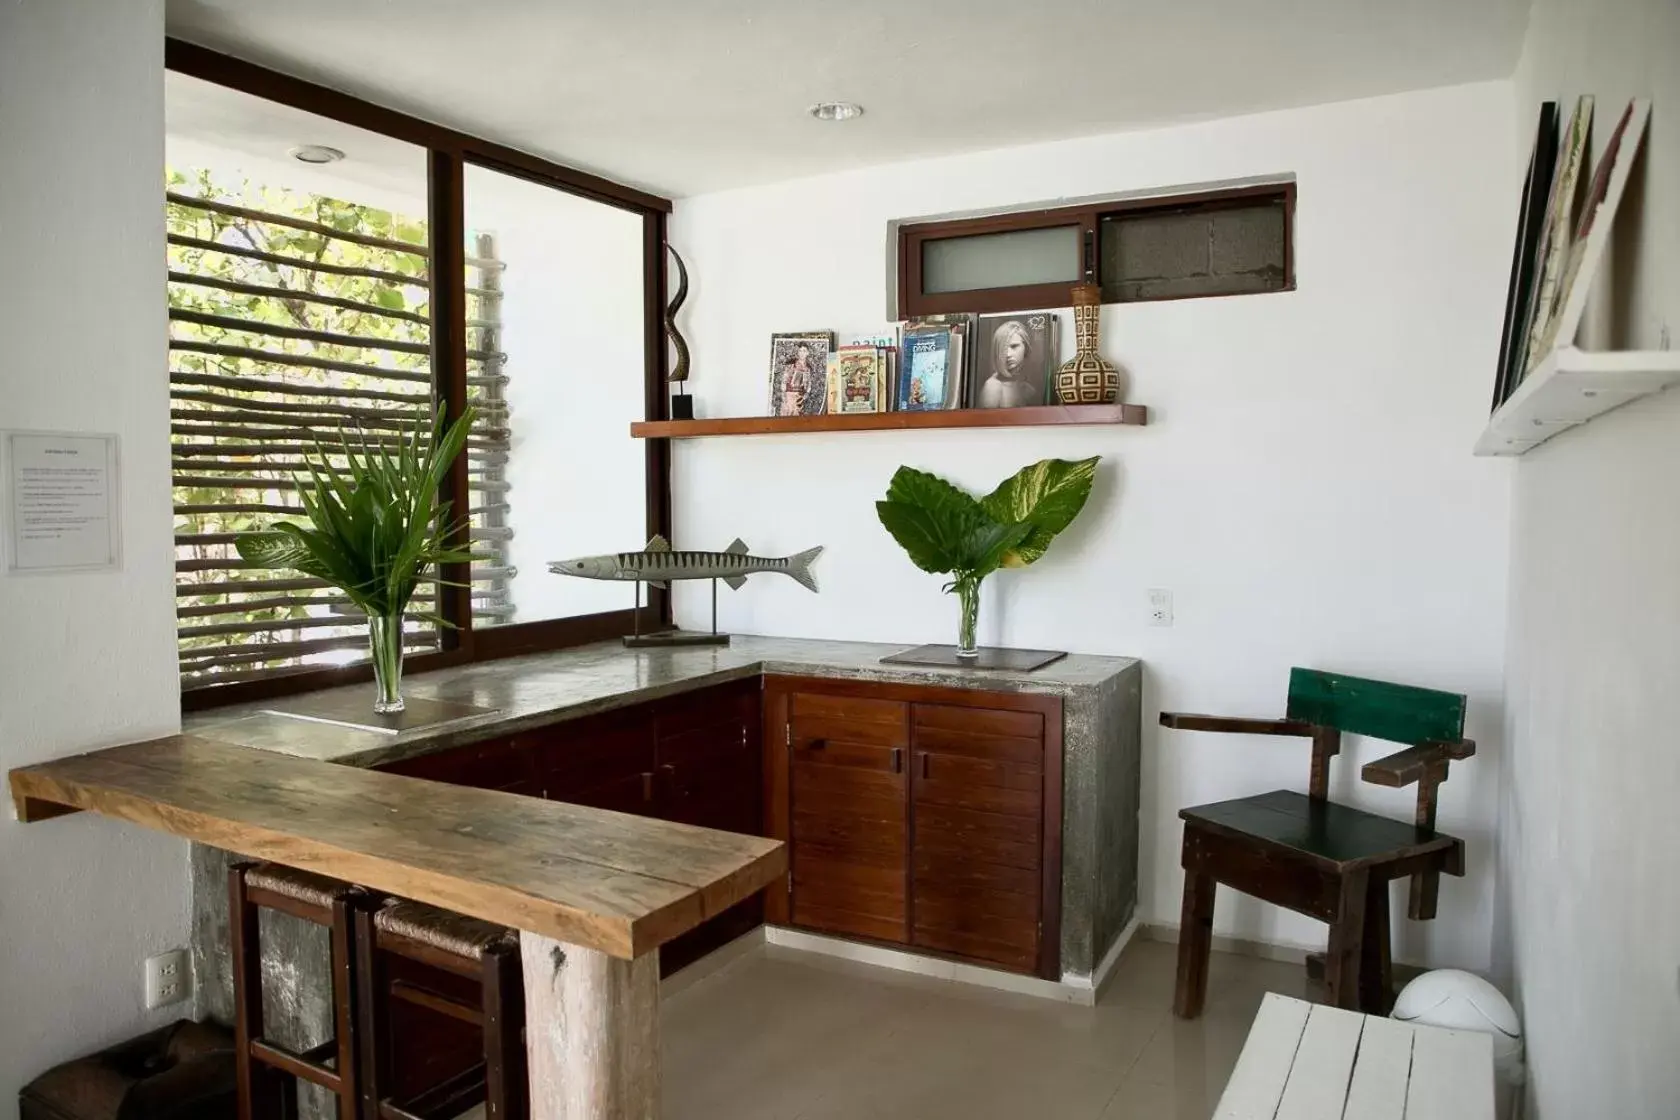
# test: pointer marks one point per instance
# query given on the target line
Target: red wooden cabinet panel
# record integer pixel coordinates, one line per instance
(978, 886)
(605, 761)
(708, 758)
(505, 764)
(848, 814)
(919, 815)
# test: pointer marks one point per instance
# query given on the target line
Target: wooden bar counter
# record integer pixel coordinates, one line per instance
(593, 892)
(624, 808)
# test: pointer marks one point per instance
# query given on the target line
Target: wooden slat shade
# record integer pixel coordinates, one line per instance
(275, 330)
(332, 233)
(302, 264)
(316, 298)
(289, 335)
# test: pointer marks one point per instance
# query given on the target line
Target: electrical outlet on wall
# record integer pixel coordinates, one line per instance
(168, 979)
(1160, 607)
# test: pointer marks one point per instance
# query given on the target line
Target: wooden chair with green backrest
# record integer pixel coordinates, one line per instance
(1329, 861)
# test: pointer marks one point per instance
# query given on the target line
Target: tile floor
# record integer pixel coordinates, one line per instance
(784, 1035)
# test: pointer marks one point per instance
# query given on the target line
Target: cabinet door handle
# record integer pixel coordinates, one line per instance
(647, 785)
(925, 764)
(817, 744)
(898, 760)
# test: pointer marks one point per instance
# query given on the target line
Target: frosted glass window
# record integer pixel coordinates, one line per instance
(1014, 258)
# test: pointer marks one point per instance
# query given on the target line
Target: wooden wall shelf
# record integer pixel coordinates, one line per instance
(894, 421)
(1572, 387)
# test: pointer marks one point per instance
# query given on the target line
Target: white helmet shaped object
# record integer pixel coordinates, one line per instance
(1463, 1001)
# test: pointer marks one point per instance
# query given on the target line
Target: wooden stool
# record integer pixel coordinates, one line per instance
(482, 953)
(265, 1069)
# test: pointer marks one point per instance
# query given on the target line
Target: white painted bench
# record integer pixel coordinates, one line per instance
(1306, 1062)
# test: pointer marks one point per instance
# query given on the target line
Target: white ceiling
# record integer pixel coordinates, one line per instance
(687, 96)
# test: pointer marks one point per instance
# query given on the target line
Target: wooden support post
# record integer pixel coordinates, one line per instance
(1347, 941)
(1195, 944)
(1327, 744)
(1376, 967)
(1426, 885)
(591, 1032)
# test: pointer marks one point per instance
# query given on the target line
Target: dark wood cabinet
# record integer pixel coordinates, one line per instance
(693, 758)
(605, 762)
(919, 816)
(915, 815)
(708, 758)
(978, 793)
(707, 746)
(848, 814)
(508, 764)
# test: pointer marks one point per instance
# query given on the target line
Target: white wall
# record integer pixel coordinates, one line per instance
(1589, 924)
(573, 332)
(85, 660)
(1304, 488)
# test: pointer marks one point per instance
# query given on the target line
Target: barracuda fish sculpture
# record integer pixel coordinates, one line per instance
(657, 565)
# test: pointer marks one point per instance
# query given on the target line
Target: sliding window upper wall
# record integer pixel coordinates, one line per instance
(330, 281)
(1237, 241)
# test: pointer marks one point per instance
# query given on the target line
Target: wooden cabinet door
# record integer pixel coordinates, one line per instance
(604, 761)
(505, 764)
(708, 774)
(708, 759)
(977, 871)
(848, 815)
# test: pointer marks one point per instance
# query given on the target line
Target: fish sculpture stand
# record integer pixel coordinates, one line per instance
(657, 565)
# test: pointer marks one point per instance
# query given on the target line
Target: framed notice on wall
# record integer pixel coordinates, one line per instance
(61, 504)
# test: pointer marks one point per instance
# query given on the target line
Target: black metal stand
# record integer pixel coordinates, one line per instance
(665, 638)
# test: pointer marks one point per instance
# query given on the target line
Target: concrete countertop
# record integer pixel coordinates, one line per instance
(533, 691)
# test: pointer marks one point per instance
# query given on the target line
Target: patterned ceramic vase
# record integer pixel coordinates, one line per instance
(1086, 378)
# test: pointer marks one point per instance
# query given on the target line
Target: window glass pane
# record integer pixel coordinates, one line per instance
(1206, 251)
(298, 307)
(557, 363)
(1001, 260)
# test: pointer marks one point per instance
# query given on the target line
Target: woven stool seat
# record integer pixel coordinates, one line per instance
(303, 886)
(443, 930)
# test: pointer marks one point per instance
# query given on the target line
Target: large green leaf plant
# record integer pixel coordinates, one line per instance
(376, 524)
(947, 531)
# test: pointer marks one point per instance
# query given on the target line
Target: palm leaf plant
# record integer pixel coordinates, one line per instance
(947, 531)
(377, 526)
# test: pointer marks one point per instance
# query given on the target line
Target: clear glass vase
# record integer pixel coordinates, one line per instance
(968, 620)
(385, 638)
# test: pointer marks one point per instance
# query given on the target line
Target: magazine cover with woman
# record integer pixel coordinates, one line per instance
(1015, 360)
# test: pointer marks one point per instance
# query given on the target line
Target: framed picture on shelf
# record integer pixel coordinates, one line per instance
(1015, 359)
(858, 380)
(1525, 255)
(799, 373)
(1592, 233)
(1556, 234)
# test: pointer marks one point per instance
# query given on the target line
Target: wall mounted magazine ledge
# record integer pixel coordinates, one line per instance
(1135, 414)
(1571, 387)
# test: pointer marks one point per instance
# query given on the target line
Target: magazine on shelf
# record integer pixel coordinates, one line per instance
(927, 380)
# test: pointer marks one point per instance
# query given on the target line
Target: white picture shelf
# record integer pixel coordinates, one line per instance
(1571, 387)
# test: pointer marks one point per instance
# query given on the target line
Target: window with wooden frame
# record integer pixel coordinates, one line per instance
(340, 271)
(1211, 243)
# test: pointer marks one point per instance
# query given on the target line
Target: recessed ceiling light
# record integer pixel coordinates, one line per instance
(836, 110)
(316, 153)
